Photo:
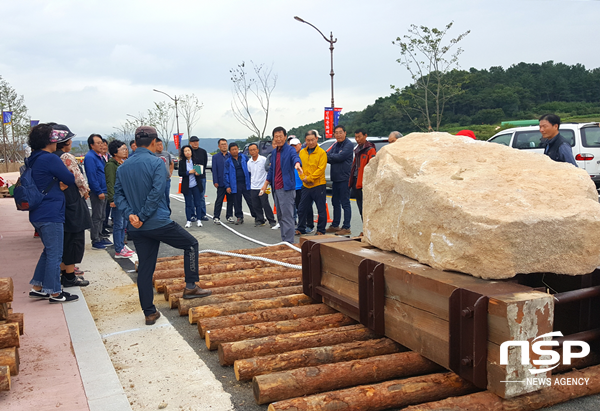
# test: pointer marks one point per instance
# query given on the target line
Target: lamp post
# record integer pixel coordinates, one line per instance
(175, 100)
(329, 40)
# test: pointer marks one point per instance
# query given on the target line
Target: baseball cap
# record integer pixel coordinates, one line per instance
(61, 133)
(144, 131)
(294, 141)
(193, 138)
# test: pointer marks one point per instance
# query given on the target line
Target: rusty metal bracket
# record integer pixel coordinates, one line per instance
(468, 336)
(371, 295)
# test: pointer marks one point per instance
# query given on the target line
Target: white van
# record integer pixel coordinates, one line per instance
(584, 137)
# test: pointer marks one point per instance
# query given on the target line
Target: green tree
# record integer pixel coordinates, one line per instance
(428, 60)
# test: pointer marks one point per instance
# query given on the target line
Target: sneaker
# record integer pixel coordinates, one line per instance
(205, 218)
(199, 223)
(231, 219)
(98, 246)
(106, 242)
(193, 219)
(309, 230)
(332, 229)
(129, 249)
(239, 221)
(78, 271)
(216, 221)
(38, 294)
(343, 231)
(124, 254)
(188, 224)
(275, 227)
(259, 224)
(207, 203)
(63, 297)
(106, 232)
(76, 282)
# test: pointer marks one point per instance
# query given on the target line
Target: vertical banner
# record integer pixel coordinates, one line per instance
(177, 140)
(336, 115)
(33, 123)
(6, 117)
(328, 122)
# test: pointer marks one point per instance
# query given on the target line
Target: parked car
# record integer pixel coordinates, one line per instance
(584, 138)
(264, 147)
(326, 145)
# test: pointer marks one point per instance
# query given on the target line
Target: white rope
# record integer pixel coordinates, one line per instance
(253, 257)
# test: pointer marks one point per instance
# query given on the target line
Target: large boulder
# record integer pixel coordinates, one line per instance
(480, 208)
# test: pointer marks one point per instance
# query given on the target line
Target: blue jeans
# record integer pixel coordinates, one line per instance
(340, 199)
(194, 200)
(47, 271)
(119, 225)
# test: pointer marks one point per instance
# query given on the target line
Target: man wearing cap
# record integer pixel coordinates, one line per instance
(394, 135)
(140, 196)
(94, 170)
(169, 164)
(200, 158)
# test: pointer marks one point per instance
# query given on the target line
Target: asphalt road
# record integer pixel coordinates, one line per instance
(212, 236)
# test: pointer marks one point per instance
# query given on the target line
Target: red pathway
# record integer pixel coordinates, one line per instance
(49, 377)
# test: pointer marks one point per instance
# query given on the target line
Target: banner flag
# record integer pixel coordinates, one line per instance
(6, 117)
(177, 140)
(34, 123)
(336, 115)
(328, 122)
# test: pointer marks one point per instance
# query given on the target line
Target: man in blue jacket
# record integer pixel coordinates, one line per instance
(340, 158)
(282, 178)
(218, 172)
(140, 196)
(94, 170)
(237, 181)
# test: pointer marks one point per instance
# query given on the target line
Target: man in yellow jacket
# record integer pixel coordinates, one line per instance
(314, 161)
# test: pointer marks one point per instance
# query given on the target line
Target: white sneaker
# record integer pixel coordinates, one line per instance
(207, 203)
(199, 223)
(188, 224)
(275, 227)
(231, 220)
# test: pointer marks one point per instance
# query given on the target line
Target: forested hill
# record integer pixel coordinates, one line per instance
(523, 91)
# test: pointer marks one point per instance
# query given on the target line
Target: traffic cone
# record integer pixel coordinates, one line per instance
(329, 220)
(225, 198)
(180, 180)
(274, 209)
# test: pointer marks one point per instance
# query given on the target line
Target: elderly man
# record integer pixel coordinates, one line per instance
(258, 175)
(140, 197)
(394, 135)
(340, 158)
(218, 173)
(557, 147)
(363, 153)
(169, 164)
(310, 225)
(94, 170)
(200, 158)
(314, 161)
(282, 180)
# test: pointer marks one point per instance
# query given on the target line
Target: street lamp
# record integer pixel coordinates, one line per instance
(329, 40)
(175, 100)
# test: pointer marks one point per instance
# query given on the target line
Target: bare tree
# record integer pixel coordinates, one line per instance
(190, 107)
(14, 135)
(429, 63)
(161, 117)
(246, 89)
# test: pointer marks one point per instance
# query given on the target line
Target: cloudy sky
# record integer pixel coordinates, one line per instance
(89, 63)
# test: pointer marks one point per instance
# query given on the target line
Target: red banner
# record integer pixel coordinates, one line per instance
(177, 140)
(328, 122)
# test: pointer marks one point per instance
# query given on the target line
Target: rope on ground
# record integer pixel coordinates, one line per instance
(253, 257)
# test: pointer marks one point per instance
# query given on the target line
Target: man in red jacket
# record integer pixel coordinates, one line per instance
(363, 153)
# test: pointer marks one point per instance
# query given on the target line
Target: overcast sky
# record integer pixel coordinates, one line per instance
(88, 63)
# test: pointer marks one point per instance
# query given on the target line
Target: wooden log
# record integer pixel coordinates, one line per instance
(329, 377)
(253, 317)
(553, 394)
(389, 394)
(221, 268)
(16, 318)
(263, 285)
(185, 305)
(4, 378)
(244, 332)
(310, 357)
(7, 290)
(237, 307)
(209, 260)
(3, 311)
(276, 344)
(10, 356)
(9, 335)
(232, 277)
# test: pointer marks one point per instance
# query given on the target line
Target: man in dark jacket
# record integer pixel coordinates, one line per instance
(140, 196)
(218, 172)
(237, 181)
(94, 170)
(557, 147)
(340, 158)
(282, 177)
(363, 153)
(200, 158)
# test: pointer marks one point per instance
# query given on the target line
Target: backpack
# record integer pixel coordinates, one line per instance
(27, 196)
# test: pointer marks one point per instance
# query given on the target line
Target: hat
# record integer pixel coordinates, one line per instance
(294, 141)
(146, 131)
(61, 133)
(193, 138)
(467, 133)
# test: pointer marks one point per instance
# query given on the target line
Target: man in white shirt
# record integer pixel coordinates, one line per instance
(258, 175)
